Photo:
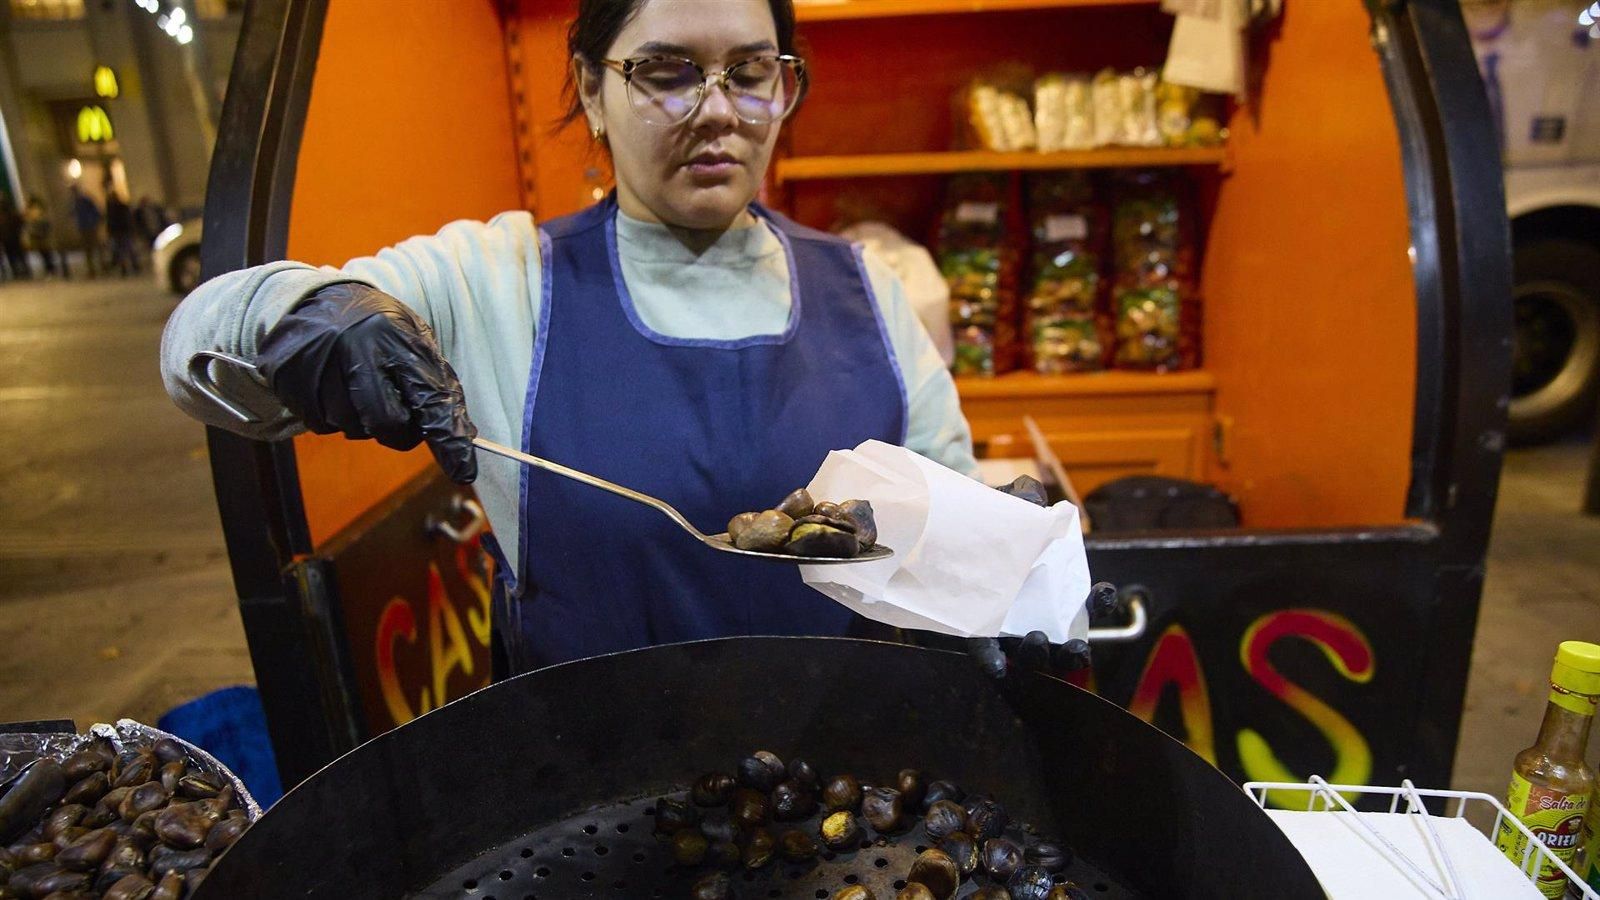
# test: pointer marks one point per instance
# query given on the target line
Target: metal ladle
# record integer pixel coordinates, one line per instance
(200, 375)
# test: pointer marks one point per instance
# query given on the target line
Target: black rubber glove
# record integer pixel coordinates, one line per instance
(353, 359)
(995, 656)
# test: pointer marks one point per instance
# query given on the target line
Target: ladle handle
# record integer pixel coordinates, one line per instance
(662, 506)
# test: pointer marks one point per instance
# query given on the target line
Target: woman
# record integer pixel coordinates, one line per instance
(676, 338)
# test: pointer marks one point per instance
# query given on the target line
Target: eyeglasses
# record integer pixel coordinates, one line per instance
(666, 90)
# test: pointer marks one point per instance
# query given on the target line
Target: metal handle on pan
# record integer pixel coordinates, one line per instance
(1138, 619)
(473, 527)
(200, 374)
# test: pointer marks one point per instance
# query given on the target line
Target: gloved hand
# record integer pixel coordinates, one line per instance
(995, 656)
(353, 359)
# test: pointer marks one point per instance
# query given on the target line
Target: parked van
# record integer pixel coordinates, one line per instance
(1540, 61)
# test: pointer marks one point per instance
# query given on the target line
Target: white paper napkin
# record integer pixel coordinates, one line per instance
(968, 560)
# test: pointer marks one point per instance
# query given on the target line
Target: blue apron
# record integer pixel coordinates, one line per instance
(713, 427)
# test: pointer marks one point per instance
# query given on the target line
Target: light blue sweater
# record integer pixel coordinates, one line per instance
(478, 285)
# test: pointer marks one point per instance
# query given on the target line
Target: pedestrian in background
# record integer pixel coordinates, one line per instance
(16, 258)
(87, 216)
(149, 219)
(119, 225)
(39, 233)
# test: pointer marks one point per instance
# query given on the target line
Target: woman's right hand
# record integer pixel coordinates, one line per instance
(353, 359)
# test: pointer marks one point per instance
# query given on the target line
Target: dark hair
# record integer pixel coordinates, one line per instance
(600, 21)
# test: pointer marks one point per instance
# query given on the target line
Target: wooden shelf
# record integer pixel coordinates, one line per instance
(836, 10)
(1086, 384)
(805, 168)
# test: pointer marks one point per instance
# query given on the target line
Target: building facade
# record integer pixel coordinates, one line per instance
(112, 94)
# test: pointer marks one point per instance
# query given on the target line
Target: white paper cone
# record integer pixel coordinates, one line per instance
(969, 560)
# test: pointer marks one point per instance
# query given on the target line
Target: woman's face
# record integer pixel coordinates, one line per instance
(703, 171)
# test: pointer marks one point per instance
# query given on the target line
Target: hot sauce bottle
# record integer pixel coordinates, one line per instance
(1551, 785)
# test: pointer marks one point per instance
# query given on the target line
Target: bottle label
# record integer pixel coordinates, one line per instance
(1556, 820)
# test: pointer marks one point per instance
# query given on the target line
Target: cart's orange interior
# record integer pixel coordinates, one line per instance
(1309, 332)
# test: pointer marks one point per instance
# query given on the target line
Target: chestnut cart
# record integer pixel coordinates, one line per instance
(1276, 653)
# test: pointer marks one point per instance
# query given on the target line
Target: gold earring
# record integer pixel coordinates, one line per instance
(597, 132)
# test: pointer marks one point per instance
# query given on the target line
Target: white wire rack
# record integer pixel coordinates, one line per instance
(1320, 796)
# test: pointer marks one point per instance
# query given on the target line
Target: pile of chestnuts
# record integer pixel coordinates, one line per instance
(768, 810)
(141, 824)
(801, 526)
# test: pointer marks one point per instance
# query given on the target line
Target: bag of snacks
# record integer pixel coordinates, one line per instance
(1063, 300)
(1155, 317)
(997, 114)
(1063, 113)
(979, 264)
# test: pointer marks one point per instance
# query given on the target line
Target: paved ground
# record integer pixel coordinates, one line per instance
(115, 599)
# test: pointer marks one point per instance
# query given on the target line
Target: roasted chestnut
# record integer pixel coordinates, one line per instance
(840, 831)
(826, 508)
(713, 789)
(738, 524)
(750, 808)
(1001, 858)
(46, 879)
(1067, 891)
(915, 891)
(712, 886)
(168, 750)
(986, 819)
(912, 787)
(797, 846)
(130, 887)
(89, 790)
(842, 792)
(134, 769)
(937, 871)
(198, 787)
(1030, 883)
(1051, 857)
(791, 802)
(991, 892)
(170, 887)
(689, 847)
(63, 817)
(672, 816)
(87, 852)
(185, 825)
(66, 836)
(759, 847)
(178, 861)
(883, 809)
(822, 541)
(964, 850)
(859, 514)
(34, 854)
(797, 504)
(944, 818)
(802, 773)
(756, 774)
(854, 892)
(82, 764)
(942, 790)
(142, 799)
(767, 532)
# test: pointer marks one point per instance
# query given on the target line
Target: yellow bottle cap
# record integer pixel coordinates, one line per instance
(1577, 667)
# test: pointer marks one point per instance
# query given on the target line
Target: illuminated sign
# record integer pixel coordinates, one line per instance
(94, 126)
(105, 83)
